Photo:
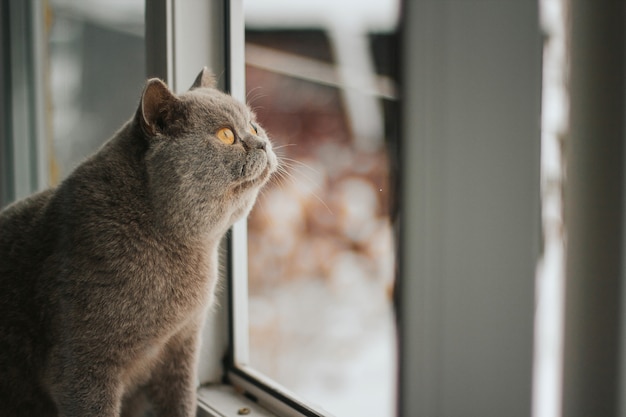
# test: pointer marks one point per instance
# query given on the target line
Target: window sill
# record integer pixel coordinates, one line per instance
(225, 401)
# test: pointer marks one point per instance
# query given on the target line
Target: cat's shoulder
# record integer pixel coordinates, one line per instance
(25, 222)
(26, 210)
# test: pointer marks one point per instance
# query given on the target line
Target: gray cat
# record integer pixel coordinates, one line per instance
(105, 280)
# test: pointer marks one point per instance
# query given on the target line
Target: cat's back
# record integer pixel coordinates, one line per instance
(24, 246)
(24, 236)
(37, 231)
(24, 213)
(26, 242)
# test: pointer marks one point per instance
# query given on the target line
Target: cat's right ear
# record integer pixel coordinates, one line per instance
(156, 106)
(206, 79)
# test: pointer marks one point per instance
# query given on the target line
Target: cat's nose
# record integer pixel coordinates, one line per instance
(256, 144)
(261, 145)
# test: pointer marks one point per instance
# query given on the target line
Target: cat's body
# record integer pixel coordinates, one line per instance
(105, 280)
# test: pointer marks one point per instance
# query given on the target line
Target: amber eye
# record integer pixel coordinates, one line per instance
(226, 136)
(253, 129)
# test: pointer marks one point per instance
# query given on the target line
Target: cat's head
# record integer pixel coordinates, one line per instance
(206, 154)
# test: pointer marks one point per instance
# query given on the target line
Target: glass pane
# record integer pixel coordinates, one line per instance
(97, 71)
(320, 239)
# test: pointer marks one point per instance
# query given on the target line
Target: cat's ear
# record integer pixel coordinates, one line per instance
(156, 107)
(205, 79)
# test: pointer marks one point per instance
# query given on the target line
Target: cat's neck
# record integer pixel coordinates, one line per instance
(184, 217)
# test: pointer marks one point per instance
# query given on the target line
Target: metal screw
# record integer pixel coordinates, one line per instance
(243, 411)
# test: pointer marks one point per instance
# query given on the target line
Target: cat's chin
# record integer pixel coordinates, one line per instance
(258, 172)
(257, 181)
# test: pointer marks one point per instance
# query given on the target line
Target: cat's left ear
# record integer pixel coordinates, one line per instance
(157, 107)
(205, 79)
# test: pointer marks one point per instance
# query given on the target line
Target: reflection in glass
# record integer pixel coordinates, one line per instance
(320, 241)
(97, 69)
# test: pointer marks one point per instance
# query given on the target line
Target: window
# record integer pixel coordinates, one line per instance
(469, 159)
(92, 46)
(320, 248)
(23, 147)
(63, 59)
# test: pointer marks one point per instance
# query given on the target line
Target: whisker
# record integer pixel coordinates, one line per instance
(278, 175)
(252, 90)
(261, 209)
(297, 169)
(281, 177)
(251, 99)
(284, 146)
(284, 173)
(300, 163)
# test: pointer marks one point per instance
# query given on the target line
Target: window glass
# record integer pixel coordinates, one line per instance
(321, 78)
(97, 69)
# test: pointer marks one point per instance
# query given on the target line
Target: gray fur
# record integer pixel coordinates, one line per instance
(105, 280)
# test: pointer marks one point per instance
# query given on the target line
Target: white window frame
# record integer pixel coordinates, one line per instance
(469, 246)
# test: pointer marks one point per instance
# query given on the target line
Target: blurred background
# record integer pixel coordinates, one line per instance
(321, 76)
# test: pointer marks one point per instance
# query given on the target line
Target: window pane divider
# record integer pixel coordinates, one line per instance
(271, 394)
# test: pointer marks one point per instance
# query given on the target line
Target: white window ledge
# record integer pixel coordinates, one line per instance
(225, 401)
